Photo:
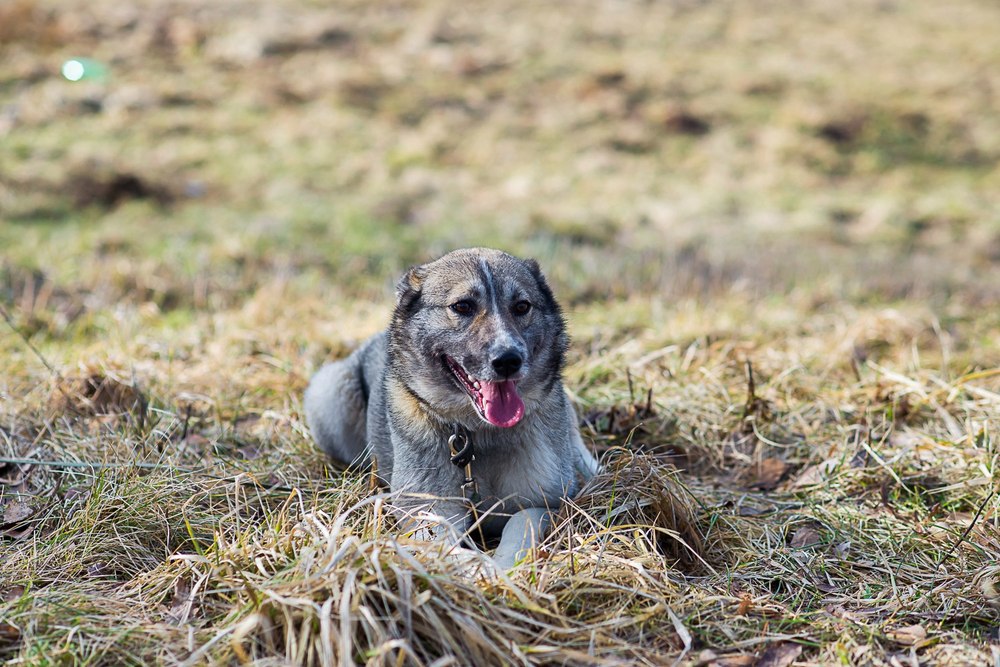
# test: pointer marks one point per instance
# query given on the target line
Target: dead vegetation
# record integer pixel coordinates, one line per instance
(775, 232)
(815, 519)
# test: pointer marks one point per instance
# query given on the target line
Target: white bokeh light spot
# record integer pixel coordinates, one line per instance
(73, 70)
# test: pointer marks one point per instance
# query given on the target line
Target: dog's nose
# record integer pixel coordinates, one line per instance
(507, 363)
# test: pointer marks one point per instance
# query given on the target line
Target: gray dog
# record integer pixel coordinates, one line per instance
(461, 400)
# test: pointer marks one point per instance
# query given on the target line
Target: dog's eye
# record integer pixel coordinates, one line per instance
(464, 307)
(521, 308)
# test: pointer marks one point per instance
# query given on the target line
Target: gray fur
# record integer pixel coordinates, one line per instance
(337, 395)
(396, 398)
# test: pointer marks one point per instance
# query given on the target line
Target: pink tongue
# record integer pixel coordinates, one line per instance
(501, 404)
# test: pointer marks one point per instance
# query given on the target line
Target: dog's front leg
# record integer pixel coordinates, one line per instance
(522, 533)
(435, 519)
(428, 497)
(445, 527)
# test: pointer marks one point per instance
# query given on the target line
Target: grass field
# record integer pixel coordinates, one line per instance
(775, 228)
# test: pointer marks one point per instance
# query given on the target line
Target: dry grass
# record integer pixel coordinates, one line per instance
(831, 514)
(776, 235)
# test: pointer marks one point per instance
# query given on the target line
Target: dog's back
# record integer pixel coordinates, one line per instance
(336, 402)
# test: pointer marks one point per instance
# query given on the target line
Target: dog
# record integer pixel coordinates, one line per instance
(460, 401)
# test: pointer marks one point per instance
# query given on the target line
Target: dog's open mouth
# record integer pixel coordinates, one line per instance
(496, 402)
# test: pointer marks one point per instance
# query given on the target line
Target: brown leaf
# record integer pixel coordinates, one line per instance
(781, 654)
(180, 605)
(910, 635)
(17, 532)
(806, 536)
(11, 593)
(16, 512)
(749, 510)
(768, 473)
(816, 474)
(824, 586)
(706, 657)
(709, 658)
(8, 634)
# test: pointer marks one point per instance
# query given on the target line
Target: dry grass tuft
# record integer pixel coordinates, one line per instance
(637, 498)
(100, 392)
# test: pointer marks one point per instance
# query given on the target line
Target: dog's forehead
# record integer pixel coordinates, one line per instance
(478, 272)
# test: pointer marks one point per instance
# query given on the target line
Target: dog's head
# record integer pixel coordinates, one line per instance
(478, 328)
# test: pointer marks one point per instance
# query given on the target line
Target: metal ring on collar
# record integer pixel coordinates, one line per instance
(460, 446)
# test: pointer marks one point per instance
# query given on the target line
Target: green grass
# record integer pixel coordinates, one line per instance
(811, 190)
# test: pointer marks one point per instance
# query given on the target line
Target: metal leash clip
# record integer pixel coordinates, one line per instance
(461, 448)
(462, 455)
(470, 490)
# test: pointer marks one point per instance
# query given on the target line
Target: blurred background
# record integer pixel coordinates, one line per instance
(184, 154)
(774, 225)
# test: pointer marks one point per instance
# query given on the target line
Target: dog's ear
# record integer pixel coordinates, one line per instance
(408, 289)
(543, 285)
(556, 318)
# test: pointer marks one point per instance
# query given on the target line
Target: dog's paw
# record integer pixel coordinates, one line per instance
(474, 564)
(521, 536)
